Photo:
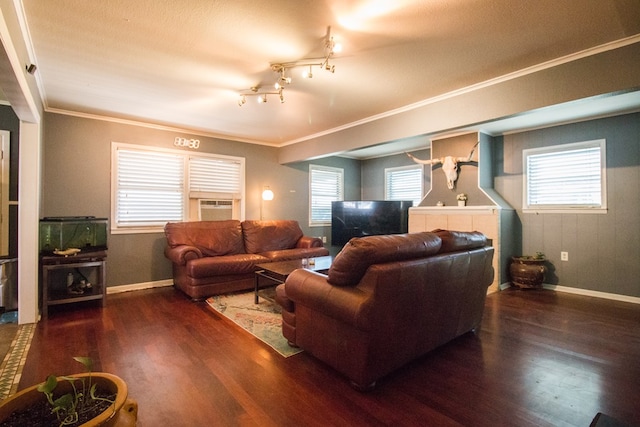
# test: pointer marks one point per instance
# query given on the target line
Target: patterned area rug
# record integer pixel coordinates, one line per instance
(14, 360)
(262, 320)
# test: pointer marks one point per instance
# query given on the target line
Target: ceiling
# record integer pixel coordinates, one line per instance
(183, 63)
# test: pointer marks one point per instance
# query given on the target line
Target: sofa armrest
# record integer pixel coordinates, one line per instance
(309, 242)
(347, 304)
(181, 254)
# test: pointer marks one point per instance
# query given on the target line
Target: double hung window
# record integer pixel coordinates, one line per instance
(151, 186)
(326, 185)
(567, 177)
(403, 183)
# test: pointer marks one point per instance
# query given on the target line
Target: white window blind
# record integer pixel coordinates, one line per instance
(326, 186)
(149, 188)
(153, 186)
(567, 176)
(218, 176)
(403, 183)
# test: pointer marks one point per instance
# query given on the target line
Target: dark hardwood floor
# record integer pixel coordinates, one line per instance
(541, 359)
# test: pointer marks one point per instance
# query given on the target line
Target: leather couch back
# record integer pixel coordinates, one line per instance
(213, 238)
(264, 236)
(359, 253)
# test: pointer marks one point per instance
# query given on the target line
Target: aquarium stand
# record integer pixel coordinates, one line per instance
(72, 279)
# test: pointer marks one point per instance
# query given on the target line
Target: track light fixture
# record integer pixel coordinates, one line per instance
(261, 95)
(281, 68)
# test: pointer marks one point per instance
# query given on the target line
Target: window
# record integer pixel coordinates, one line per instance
(567, 177)
(326, 185)
(154, 186)
(403, 183)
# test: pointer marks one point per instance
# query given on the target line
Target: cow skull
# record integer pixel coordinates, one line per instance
(449, 165)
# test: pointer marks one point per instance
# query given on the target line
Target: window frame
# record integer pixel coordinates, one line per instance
(566, 207)
(190, 198)
(338, 197)
(392, 170)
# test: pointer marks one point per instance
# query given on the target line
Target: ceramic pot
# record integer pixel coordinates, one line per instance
(122, 413)
(527, 272)
(462, 202)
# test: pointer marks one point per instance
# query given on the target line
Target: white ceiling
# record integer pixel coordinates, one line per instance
(183, 63)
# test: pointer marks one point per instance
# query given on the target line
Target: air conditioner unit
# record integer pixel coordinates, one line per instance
(215, 210)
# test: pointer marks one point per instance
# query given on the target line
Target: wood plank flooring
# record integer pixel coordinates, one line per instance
(541, 359)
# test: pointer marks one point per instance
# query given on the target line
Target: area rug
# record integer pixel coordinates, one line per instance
(262, 320)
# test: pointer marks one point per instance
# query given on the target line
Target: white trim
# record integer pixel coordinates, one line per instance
(590, 293)
(156, 126)
(139, 286)
(491, 82)
(583, 292)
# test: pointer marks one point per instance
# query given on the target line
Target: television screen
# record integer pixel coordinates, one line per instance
(368, 218)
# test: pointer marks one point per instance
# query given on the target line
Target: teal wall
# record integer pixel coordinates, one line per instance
(604, 249)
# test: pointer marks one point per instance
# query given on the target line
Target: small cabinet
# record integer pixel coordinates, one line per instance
(67, 280)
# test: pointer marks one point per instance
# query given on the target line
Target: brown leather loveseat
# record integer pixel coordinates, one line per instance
(216, 257)
(388, 300)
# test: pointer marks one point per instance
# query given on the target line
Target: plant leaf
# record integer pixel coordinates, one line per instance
(65, 402)
(86, 361)
(48, 385)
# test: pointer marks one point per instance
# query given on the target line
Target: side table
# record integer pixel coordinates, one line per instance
(90, 266)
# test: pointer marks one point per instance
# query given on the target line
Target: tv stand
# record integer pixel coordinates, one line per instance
(55, 270)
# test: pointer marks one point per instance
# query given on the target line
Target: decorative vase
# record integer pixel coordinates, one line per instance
(527, 272)
(123, 412)
(462, 202)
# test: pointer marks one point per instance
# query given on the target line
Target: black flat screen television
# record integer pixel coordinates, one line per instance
(368, 218)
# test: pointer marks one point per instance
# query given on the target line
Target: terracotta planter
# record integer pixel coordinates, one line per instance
(527, 272)
(122, 413)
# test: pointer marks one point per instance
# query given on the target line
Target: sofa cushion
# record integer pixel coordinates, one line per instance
(265, 236)
(224, 265)
(212, 238)
(359, 253)
(460, 240)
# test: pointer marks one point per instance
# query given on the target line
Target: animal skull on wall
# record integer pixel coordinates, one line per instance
(449, 165)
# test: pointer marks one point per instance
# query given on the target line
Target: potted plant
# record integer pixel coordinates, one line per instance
(528, 271)
(87, 399)
(462, 199)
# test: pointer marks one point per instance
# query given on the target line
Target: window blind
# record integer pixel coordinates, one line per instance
(215, 176)
(404, 183)
(571, 177)
(149, 188)
(326, 186)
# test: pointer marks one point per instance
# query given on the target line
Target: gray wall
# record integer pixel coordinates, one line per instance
(373, 172)
(604, 249)
(77, 157)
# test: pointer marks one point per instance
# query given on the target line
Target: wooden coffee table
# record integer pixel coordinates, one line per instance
(277, 272)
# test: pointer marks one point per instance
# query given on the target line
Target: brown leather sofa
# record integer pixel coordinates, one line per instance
(388, 300)
(216, 257)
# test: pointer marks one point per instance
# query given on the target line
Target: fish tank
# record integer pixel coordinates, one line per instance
(86, 233)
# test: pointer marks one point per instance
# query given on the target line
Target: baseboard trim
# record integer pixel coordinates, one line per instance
(502, 287)
(139, 286)
(590, 293)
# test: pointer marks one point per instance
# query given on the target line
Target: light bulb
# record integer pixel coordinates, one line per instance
(267, 194)
(307, 74)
